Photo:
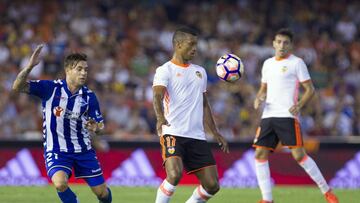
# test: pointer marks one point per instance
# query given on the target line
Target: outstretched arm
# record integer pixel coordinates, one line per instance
(20, 84)
(211, 126)
(260, 96)
(158, 96)
(309, 93)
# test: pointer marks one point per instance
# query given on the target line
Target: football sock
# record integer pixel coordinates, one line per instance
(67, 196)
(312, 169)
(199, 195)
(164, 192)
(107, 199)
(263, 178)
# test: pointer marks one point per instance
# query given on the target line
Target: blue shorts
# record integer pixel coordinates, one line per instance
(85, 165)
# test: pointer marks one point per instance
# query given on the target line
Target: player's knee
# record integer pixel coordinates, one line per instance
(174, 176)
(101, 194)
(298, 157)
(261, 154)
(212, 187)
(60, 186)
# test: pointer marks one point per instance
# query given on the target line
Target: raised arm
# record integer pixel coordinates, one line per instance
(308, 94)
(158, 96)
(210, 125)
(20, 84)
(260, 96)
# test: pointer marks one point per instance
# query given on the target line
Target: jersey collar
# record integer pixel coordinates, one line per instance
(180, 64)
(68, 92)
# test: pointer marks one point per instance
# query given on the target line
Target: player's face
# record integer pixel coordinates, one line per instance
(187, 48)
(77, 75)
(282, 45)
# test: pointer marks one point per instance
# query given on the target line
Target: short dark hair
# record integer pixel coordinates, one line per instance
(180, 32)
(287, 32)
(71, 60)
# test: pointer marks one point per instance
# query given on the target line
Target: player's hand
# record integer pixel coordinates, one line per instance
(222, 142)
(159, 124)
(92, 125)
(34, 59)
(258, 101)
(294, 110)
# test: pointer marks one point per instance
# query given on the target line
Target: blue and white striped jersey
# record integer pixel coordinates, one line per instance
(65, 115)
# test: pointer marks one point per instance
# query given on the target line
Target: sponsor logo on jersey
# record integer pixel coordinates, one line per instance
(58, 111)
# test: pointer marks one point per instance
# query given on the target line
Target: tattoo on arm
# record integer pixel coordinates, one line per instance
(20, 84)
(157, 103)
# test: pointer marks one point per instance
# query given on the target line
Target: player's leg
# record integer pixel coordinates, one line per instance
(262, 170)
(60, 180)
(209, 185)
(290, 135)
(309, 165)
(101, 190)
(199, 160)
(87, 166)
(58, 167)
(265, 141)
(172, 151)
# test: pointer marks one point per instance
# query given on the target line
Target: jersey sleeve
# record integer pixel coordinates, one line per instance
(161, 77)
(41, 88)
(302, 72)
(94, 112)
(263, 73)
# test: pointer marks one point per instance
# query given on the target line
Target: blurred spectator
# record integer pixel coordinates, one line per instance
(127, 40)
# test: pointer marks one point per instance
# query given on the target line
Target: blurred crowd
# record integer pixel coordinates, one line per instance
(127, 40)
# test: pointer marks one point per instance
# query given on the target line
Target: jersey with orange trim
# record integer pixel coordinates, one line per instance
(183, 101)
(282, 78)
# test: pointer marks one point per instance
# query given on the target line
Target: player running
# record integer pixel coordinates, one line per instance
(70, 114)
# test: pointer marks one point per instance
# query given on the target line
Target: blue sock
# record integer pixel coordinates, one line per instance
(67, 196)
(107, 199)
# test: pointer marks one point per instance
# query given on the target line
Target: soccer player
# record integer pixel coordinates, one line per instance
(281, 76)
(71, 114)
(182, 110)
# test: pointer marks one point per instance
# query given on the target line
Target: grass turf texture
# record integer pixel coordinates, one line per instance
(147, 195)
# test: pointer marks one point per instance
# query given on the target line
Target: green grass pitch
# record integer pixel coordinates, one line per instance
(147, 195)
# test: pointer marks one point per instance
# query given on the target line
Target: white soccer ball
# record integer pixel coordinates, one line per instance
(229, 68)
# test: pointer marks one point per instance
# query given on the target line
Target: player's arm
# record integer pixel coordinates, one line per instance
(308, 94)
(210, 125)
(20, 84)
(260, 96)
(95, 121)
(158, 96)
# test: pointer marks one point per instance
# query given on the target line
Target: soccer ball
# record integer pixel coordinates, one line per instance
(229, 68)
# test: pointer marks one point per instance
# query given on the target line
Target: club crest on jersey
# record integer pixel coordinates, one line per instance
(198, 74)
(171, 150)
(58, 111)
(284, 69)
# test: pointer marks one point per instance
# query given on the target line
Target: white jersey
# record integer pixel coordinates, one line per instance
(282, 78)
(183, 100)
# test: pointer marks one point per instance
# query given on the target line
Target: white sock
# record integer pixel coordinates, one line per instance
(199, 195)
(263, 178)
(312, 169)
(164, 192)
